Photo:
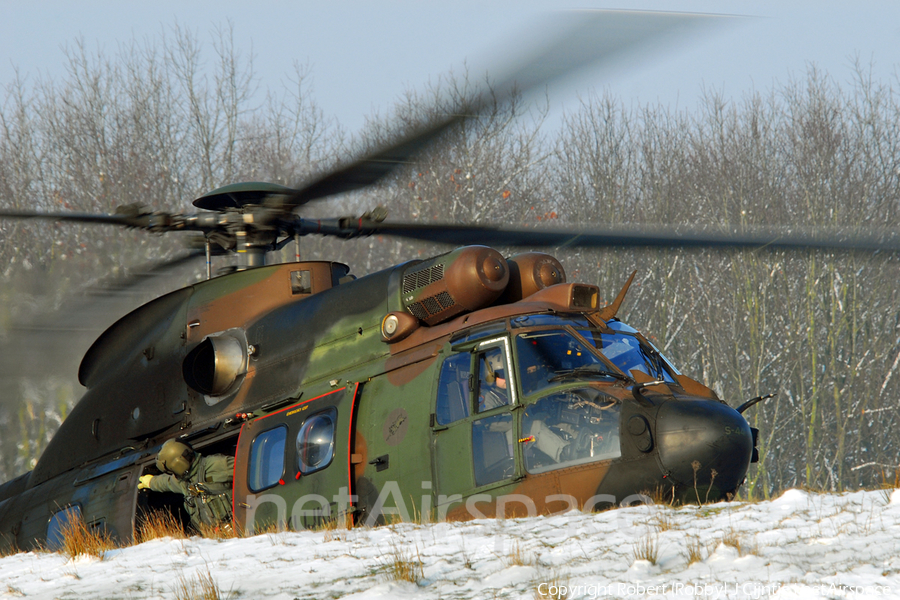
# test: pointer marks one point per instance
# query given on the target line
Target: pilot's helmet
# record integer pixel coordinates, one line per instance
(175, 457)
(495, 366)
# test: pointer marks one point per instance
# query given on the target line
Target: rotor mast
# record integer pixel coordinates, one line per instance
(247, 228)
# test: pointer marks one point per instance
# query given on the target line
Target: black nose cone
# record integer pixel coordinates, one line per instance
(705, 448)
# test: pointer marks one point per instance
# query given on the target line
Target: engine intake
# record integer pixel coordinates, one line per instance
(529, 273)
(464, 280)
(217, 364)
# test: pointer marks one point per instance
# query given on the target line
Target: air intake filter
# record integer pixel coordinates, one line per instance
(464, 280)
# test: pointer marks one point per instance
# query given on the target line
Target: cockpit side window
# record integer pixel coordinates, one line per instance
(492, 448)
(479, 378)
(493, 379)
(475, 398)
(453, 389)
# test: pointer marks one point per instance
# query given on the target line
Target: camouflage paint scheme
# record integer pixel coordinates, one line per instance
(313, 344)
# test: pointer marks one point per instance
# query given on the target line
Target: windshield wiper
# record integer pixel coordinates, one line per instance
(586, 371)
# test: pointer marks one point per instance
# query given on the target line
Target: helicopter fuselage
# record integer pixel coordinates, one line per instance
(459, 387)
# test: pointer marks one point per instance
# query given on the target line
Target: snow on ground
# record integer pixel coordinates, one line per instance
(800, 545)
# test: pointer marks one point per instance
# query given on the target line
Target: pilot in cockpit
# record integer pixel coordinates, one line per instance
(492, 391)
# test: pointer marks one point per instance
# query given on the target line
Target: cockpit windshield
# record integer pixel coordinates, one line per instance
(549, 356)
(544, 354)
(628, 353)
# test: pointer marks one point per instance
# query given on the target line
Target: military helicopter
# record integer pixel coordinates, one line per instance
(461, 386)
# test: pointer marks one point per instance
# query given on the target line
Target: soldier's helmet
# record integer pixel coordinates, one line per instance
(175, 457)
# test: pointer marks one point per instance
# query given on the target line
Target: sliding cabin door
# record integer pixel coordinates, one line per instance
(293, 467)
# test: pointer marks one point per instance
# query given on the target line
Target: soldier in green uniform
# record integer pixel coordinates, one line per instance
(204, 481)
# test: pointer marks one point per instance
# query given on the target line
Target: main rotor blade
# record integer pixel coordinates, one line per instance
(626, 237)
(51, 344)
(366, 171)
(140, 218)
(580, 39)
(142, 273)
(76, 217)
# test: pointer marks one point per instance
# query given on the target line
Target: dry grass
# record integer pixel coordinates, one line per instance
(553, 588)
(890, 480)
(662, 520)
(222, 531)
(740, 543)
(518, 557)
(712, 480)
(200, 587)
(647, 548)
(397, 519)
(335, 535)
(467, 558)
(889, 483)
(417, 516)
(80, 540)
(157, 524)
(336, 528)
(694, 550)
(401, 564)
(696, 466)
(277, 533)
(269, 528)
(9, 550)
(661, 495)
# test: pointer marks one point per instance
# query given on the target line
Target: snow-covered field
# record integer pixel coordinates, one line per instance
(800, 545)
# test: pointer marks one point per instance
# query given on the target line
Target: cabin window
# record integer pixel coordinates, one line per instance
(570, 428)
(453, 389)
(267, 459)
(59, 523)
(315, 442)
(492, 449)
(493, 379)
(301, 282)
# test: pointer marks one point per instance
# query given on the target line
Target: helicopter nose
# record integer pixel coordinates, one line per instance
(704, 446)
